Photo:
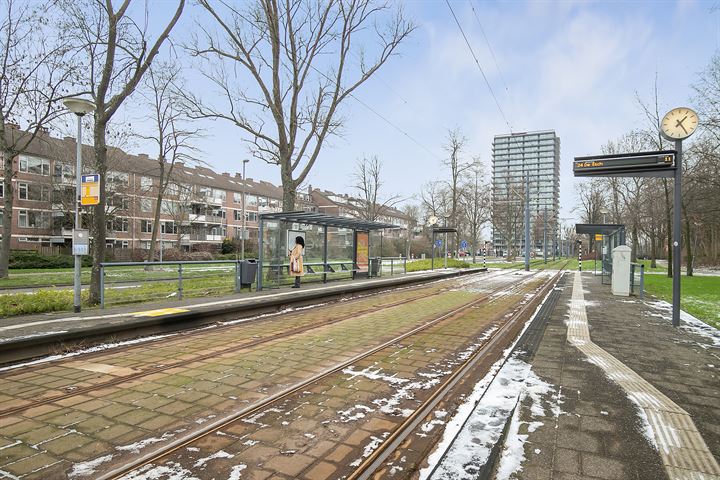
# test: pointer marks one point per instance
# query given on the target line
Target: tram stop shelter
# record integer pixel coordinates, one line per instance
(609, 235)
(435, 231)
(335, 247)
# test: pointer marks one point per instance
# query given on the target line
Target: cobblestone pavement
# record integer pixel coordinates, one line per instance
(76, 435)
(329, 428)
(596, 431)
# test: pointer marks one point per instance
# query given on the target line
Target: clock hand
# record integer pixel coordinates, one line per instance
(683, 127)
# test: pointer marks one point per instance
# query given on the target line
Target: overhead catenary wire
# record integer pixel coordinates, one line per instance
(487, 41)
(477, 62)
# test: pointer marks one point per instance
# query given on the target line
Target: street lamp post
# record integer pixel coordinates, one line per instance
(242, 237)
(80, 107)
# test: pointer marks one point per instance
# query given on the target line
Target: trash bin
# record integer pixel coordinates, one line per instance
(247, 272)
(374, 267)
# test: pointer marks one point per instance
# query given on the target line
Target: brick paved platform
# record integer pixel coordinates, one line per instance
(633, 397)
(26, 336)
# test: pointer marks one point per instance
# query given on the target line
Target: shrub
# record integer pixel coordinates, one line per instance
(37, 302)
(31, 259)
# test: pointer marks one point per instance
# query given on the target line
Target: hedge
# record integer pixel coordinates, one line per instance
(31, 259)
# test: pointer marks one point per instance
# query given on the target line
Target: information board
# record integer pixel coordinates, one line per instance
(362, 250)
(656, 164)
(90, 190)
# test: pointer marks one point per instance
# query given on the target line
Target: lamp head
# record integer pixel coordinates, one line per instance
(79, 106)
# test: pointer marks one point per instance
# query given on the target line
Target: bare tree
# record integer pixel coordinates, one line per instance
(508, 214)
(455, 144)
(475, 202)
(369, 203)
(172, 136)
(435, 199)
(286, 65)
(35, 74)
(116, 51)
(592, 201)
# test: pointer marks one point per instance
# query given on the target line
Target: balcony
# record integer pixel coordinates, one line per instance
(202, 218)
(205, 237)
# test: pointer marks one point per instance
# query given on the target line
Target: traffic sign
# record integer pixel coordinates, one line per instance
(598, 237)
(438, 243)
(463, 244)
(90, 190)
(644, 164)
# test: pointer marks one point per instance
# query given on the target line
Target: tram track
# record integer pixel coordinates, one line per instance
(243, 345)
(216, 426)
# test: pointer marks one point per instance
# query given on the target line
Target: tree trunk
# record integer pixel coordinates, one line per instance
(668, 225)
(653, 246)
(633, 251)
(7, 213)
(156, 217)
(289, 192)
(688, 247)
(99, 226)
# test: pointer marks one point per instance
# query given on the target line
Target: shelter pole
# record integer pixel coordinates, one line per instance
(260, 253)
(676, 246)
(446, 252)
(325, 252)
(545, 235)
(432, 252)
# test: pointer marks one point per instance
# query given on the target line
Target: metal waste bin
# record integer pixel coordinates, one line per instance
(247, 272)
(374, 267)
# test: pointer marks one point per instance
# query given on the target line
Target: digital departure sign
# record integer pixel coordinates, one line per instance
(660, 163)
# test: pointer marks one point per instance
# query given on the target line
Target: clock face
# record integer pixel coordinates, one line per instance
(679, 123)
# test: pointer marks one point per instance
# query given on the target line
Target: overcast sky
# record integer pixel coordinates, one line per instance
(574, 67)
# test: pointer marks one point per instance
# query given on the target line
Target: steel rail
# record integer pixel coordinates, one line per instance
(206, 356)
(298, 387)
(385, 449)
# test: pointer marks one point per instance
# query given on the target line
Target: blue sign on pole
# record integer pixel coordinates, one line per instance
(463, 244)
(438, 243)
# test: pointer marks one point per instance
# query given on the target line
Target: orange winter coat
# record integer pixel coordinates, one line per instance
(296, 261)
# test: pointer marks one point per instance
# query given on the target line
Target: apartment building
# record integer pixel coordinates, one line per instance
(517, 156)
(344, 205)
(200, 207)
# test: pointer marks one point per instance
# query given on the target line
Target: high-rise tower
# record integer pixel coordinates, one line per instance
(517, 156)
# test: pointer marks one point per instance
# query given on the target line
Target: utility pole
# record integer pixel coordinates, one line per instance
(527, 223)
(242, 237)
(545, 235)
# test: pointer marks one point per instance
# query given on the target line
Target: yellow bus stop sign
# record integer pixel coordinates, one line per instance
(598, 237)
(90, 190)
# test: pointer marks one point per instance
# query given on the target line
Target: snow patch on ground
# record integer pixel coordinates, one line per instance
(85, 469)
(235, 473)
(687, 322)
(168, 471)
(481, 419)
(137, 446)
(219, 454)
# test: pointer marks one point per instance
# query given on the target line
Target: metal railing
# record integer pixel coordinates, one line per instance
(131, 282)
(637, 279)
(393, 265)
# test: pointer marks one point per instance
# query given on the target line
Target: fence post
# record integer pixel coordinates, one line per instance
(642, 281)
(180, 286)
(102, 286)
(405, 265)
(237, 276)
(391, 266)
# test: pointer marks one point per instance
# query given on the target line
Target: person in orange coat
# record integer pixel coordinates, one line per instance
(296, 260)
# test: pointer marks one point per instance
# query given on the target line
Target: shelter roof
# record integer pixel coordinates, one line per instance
(592, 228)
(313, 218)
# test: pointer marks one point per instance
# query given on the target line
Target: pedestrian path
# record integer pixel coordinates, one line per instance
(617, 393)
(683, 450)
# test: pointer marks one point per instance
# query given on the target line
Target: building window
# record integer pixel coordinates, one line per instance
(173, 189)
(252, 200)
(33, 191)
(33, 219)
(117, 179)
(251, 216)
(118, 201)
(119, 224)
(237, 214)
(146, 182)
(168, 227)
(38, 166)
(146, 226)
(146, 205)
(2, 187)
(237, 197)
